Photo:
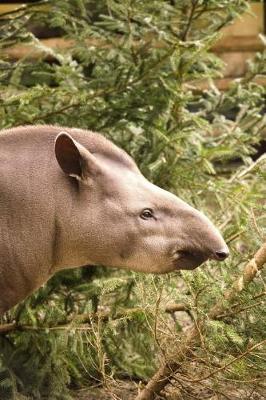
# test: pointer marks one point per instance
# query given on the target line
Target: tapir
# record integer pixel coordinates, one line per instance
(70, 197)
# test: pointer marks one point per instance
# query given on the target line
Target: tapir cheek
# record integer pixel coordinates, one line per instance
(125, 253)
(128, 246)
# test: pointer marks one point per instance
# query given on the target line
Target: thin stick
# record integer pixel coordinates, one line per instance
(162, 377)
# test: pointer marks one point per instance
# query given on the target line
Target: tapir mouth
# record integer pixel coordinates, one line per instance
(185, 259)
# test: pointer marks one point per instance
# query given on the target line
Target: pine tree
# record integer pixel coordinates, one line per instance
(129, 70)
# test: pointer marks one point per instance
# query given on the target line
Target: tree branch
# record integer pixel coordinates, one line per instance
(162, 377)
(74, 322)
(190, 19)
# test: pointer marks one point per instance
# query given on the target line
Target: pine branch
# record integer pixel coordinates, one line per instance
(162, 376)
(249, 273)
(223, 367)
(75, 322)
(23, 8)
(32, 52)
(190, 20)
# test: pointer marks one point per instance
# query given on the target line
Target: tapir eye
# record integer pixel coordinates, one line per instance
(147, 213)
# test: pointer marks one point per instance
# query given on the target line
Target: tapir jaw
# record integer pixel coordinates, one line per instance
(191, 259)
(188, 260)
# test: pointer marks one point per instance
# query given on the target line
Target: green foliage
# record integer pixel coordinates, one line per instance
(131, 74)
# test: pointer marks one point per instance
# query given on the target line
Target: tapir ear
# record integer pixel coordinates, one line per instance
(74, 159)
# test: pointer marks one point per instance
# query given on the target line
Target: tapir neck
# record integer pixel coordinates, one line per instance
(74, 237)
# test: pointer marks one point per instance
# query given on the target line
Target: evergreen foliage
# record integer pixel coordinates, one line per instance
(131, 74)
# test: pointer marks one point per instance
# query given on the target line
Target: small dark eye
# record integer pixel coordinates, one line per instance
(146, 214)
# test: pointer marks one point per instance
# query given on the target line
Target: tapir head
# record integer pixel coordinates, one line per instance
(123, 220)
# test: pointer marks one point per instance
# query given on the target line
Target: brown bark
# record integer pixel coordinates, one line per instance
(5, 328)
(175, 307)
(162, 377)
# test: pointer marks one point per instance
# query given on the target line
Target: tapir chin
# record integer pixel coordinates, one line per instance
(70, 197)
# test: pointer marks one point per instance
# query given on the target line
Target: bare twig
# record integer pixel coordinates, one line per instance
(250, 271)
(175, 307)
(241, 174)
(223, 367)
(190, 20)
(162, 376)
(233, 313)
(5, 328)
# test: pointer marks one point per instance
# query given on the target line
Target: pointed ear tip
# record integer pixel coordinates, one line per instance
(63, 136)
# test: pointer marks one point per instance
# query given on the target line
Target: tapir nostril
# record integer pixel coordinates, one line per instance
(221, 255)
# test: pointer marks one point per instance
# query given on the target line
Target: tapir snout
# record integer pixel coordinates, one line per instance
(70, 197)
(192, 237)
(203, 242)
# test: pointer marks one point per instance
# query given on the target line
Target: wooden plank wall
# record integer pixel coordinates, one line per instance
(239, 42)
